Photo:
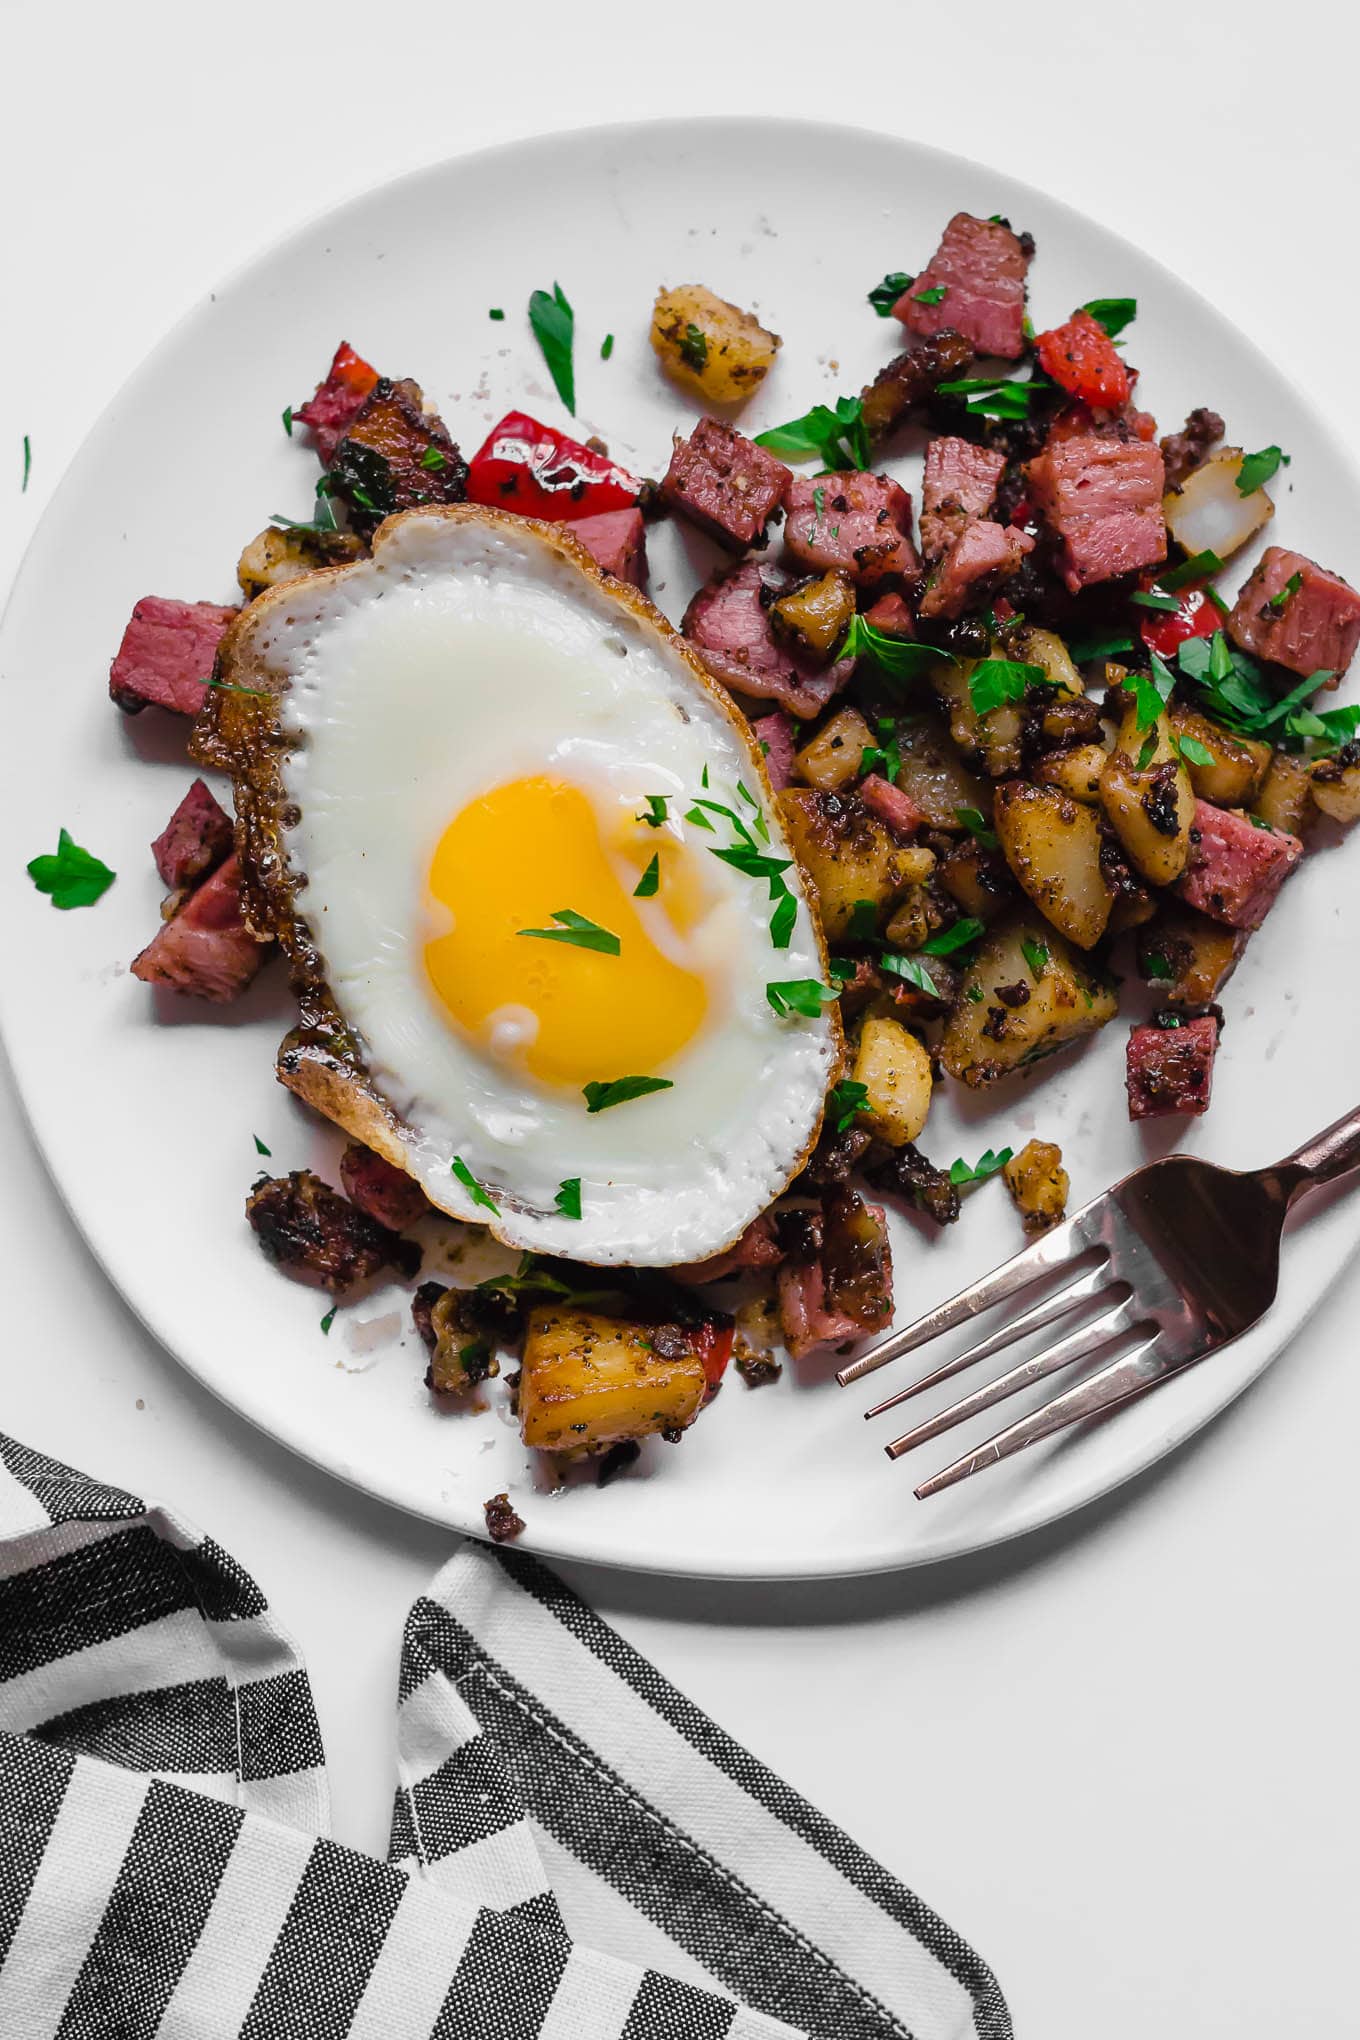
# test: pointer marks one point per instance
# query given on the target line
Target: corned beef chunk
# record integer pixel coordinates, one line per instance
(1316, 626)
(194, 841)
(166, 657)
(961, 481)
(1184, 451)
(394, 458)
(758, 1247)
(982, 556)
(382, 1190)
(905, 383)
(311, 1231)
(843, 1289)
(905, 1172)
(616, 541)
(337, 401)
(891, 804)
(728, 624)
(1171, 1065)
(725, 484)
(891, 615)
(206, 949)
(1102, 499)
(502, 1521)
(1236, 866)
(979, 267)
(856, 524)
(774, 733)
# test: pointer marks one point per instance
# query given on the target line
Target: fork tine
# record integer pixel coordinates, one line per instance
(1121, 1317)
(1033, 1320)
(1027, 1267)
(1119, 1382)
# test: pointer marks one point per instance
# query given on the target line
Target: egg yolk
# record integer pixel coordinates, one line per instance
(517, 858)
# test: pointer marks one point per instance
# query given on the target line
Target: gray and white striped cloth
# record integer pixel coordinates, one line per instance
(164, 1870)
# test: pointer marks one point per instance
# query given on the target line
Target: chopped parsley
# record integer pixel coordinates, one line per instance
(473, 1187)
(28, 465)
(618, 1090)
(1257, 469)
(782, 920)
(288, 419)
(1035, 955)
(1198, 567)
(957, 936)
(836, 436)
(226, 687)
(656, 810)
(647, 885)
(753, 863)
(884, 295)
(692, 347)
(1285, 595)
(329, 1319)
(843, 1102)
(997, 396)
(1148, 751)
(1238, 694)
(911, 970)
(554, 325)
(575, 929)
(606, 346)
(886, 759)
(71, 878)
(495, 313)
(1113, 313)
(975, 995)
(1153, 598)
(863, 921)
(1086, 649)
(1155, 965)
(897, 658)
(806, 996)
(568, 1198)
(699, 818)
(1151, 692)
(993, 681)
(961, 1175)
(260, 1147)
(432, 460)
(1193, 752)
(936, 295)
(975, 822)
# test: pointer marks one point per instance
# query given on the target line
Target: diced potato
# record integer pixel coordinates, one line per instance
(1206, 514)
(895, 1069)
(589, 1380)
(1286, 796)
(1187, 958)
(1039, 1184)
(278, 555)
(911, 922)
(1035, 647)
(978, 879)
(816, 615)
(992, 739)
(461, 1355)
(1130, 910)
(832, 757)
(934, 778)
(710, 346)
(846, 852)
(1336, 788)
(1052, 844)
(1076, 771)
(1237, 764)
(1146, 793)
(985, 1036)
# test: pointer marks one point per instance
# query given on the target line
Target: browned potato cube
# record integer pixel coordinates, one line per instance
(895, 1070)
(1024, 995)
(1076, 771)
(978, 878)
(1146, 793)
(1039, 1184)
(285, 555)
(1237, 765)
(1336, 785)
(991, 740)
(710, 346)
(1052, 844)
(1286, 796)
(846, 852)
(1187, 958)
(589, 1381)
(815, 616)
(934, 778)
(832, 757)
(912, 922)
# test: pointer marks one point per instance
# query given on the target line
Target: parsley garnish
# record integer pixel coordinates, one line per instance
(884, 295)
(886, 759)
(1153, 598)
(897, 658)
(1087, 649)
(260, 1147)
(568, 1198)
(606, 346)
(72, 878)
(911, 970)
(1035, 955)
(1257, 468)
(961, 1175)
(1113, 313)
(473, 1187)
(692, 347)
(656, 810)
(288, 419)
(975, 995)
(1151, 694)
(575, 929)
(782, 920)
(1148, 751)
(800, 995)
(646, 887)
(599, 1097)
(836, 437)
(997, 396)
(28, 465)
(863, 921)
(1191, 749)
(1286, 594)
(1238, 694)
(329, 1319)
(226, 687)
(1198, 567)
(495, 312)
(752, 863)
(432, 460)
(1155, 965)
(844, 1100)
(554, 324)
(975, 822)
(936, 295)
(699, 818)
(993, 681)
(957, 936)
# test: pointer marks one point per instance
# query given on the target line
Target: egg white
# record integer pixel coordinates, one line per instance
(465, 654)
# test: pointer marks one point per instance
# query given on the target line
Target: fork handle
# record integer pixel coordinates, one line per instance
(1334, 1152)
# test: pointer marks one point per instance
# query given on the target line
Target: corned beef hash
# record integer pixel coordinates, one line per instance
(654, 977)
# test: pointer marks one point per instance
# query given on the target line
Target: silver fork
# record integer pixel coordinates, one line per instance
(1177, 1260)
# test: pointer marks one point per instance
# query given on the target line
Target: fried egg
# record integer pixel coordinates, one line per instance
(536, 852)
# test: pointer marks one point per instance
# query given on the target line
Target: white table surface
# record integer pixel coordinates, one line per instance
(1120, 1756)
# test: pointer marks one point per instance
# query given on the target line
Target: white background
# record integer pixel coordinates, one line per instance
(1118, 1757)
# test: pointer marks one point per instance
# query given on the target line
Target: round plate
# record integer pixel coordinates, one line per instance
(147, 1107)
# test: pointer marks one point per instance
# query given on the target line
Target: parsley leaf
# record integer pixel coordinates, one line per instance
(911, 970)
(1035, 955)
(28, 465)
(1086, 649)
(1151, 694)
(1155, 965)
(844, 1100)
(692, 347)
(935, 295)
(997, 396)
(73, 877)
(329, 1319)
(800, 995)
(575, 929)
(1285, 596)
(863, 921)
(836, 437)
(495, 312)
(1113, 313)
(554, 325)
(897, 658)
(975, 822)
(656, 810)
(432, 460)
(568, 1198)
(260, 1147)
(993, 681)
(884, 295)
(473, 1187)
(1257, 469)
(879, 758)
(618, 1090)
(752, 863)
(1193, 752)
(961, 1174)
(782, 921)
(1153, 598)
(647, 885)
(288, 419)
(606, 346)
(1148, 751)
(1199, 567)
(957, 936)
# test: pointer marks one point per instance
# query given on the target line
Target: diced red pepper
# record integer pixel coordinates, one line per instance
(713, 1341)
(1196, 615)
(540, 472)
(1083, 360)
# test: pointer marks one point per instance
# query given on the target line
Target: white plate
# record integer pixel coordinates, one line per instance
(146, 1109)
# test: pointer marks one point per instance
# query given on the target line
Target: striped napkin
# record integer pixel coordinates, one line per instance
(577, 1853)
